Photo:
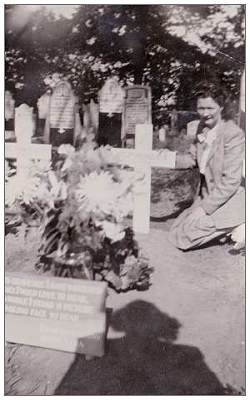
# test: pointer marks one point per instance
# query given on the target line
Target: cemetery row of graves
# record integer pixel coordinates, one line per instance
(58, 118)
(61, 120)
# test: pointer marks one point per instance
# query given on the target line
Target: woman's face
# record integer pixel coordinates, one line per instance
(209, 111)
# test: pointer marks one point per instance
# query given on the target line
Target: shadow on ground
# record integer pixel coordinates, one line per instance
(145, 361)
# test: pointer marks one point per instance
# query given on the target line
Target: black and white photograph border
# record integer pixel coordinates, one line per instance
(124, 245)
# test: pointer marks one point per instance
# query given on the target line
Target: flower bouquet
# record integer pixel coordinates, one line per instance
(80, 203)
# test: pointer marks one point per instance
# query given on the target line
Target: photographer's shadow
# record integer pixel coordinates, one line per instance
(143, 362)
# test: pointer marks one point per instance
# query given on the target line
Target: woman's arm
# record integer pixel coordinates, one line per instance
(231, 174)
(186, 160)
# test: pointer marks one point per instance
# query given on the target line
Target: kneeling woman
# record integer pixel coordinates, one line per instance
(218, 150)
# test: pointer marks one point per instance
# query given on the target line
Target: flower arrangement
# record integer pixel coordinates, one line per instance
(81, 202)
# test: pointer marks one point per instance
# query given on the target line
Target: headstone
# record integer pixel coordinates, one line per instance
(137, 111)
(111, 102)
(62, 114)
(24, 152)
(24, 124)
(78, 125)
(58, 313)
(9, 109)
(43, 106)
(162, 134)
(94, 117)
(173, 119)
(90, 115)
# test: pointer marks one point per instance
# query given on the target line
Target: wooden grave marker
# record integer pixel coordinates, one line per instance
(142, 159)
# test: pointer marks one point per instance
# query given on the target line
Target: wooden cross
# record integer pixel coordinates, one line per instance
(143, 158)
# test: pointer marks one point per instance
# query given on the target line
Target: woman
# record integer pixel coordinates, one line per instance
(218, 149)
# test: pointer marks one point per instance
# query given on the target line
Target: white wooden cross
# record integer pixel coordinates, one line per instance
(23, 150)
(143, 158)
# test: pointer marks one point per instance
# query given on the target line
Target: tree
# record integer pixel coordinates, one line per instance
(167, 47)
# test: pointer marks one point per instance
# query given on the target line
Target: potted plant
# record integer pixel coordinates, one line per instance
(81, 201)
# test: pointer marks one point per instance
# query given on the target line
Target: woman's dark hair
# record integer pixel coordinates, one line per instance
(220, 95)
(210, 89)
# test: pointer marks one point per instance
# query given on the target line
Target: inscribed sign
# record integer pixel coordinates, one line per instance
(60, 313)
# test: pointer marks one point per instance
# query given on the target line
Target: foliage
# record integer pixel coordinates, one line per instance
(169, 47)
(81, 202)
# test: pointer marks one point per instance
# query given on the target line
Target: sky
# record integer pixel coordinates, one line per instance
(58, 9)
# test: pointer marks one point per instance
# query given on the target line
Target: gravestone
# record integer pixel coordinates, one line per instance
(58, 313)
(111, 102)
(24, 124)
(62, 114)
(9, 111)
(138, 110)
(162, 134)
(43, 106)
(91, 116)
(24, 152)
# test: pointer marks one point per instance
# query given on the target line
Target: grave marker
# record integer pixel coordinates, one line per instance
(137, 111)
(111, 101)
(58, 313)
(62, 114)
(24, 151)
(142, 159)
(43, 106)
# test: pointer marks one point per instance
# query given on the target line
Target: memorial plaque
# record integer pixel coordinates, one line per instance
(59, 313)
(137, 110)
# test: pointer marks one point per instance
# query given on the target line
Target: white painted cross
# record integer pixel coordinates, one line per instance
(23, 150)
(143, 158)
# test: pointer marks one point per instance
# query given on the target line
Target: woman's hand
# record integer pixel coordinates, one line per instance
(184, 161)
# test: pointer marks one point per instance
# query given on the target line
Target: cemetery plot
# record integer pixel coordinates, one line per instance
(50, 312)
